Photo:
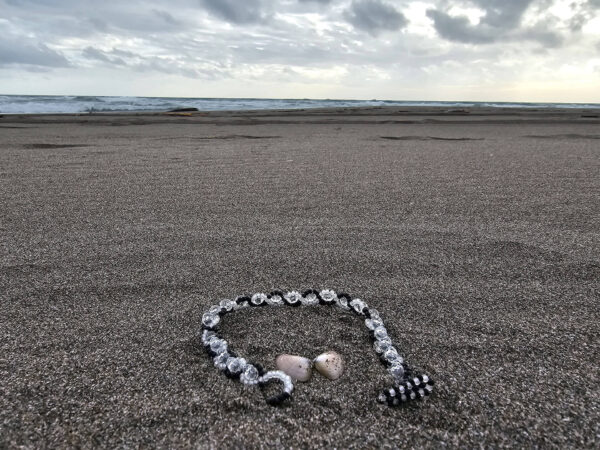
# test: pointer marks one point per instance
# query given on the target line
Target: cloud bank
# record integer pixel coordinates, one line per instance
(465, 49)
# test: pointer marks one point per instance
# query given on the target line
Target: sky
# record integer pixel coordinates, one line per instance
(471, 50)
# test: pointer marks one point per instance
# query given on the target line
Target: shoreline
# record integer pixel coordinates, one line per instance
(368, 114)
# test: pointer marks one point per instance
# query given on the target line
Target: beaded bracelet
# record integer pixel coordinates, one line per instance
(406, 386)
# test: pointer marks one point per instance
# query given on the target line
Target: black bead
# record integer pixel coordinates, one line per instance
(278, 399)
(260, 368)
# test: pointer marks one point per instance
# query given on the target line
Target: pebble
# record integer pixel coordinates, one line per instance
(297, 367)
(330, 365)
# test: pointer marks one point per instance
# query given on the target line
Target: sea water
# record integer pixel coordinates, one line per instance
(54, 104)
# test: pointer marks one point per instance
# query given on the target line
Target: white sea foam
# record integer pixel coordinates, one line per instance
(40, 104)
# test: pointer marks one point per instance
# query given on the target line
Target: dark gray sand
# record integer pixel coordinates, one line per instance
(476, 234)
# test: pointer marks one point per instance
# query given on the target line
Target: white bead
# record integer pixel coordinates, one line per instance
(288, 385)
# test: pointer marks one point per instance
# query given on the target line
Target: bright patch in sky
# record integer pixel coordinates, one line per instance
(488, 50)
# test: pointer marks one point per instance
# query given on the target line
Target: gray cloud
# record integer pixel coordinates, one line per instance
(34, 54)
(111, 58)
(504, 14)
(500, 23)
(289, 41)
(543, 34)
(459, 29)
(375, 16)
(235, 11)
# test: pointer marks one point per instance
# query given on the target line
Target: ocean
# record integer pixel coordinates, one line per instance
(56, 104)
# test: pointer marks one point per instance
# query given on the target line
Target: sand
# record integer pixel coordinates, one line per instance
(475, 233)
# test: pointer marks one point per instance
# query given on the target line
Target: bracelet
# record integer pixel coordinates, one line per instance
(406, 386)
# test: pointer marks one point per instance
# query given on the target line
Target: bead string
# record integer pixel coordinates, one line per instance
(406, 386)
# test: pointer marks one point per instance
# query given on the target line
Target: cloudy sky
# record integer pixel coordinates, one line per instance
(503, 50)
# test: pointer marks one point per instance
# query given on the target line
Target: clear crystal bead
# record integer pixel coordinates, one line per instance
(227, 305)
(241, 306)
(358, 305)
(210, 320)
(310, 300)
(275, 300)
(207, 335)
(382, 345)
(397, 371)
(244, 304)
(380, 332)
(374, 314)
(236, 365)
(373, 323)
(391, 355)
(342, 302)
(328, 295)
(258, 299)
(215, 309)
(249, 375)
(221, 361)
(293, 297)
(218, 346)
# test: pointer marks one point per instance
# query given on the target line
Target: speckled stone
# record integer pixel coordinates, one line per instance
(330, 365)
(297, 367)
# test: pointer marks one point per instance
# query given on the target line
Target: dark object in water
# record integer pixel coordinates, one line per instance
(184, 110)
(590, 116)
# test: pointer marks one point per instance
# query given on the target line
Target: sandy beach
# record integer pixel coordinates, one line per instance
(474, 232)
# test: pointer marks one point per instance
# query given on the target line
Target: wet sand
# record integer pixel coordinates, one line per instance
(475, 233)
